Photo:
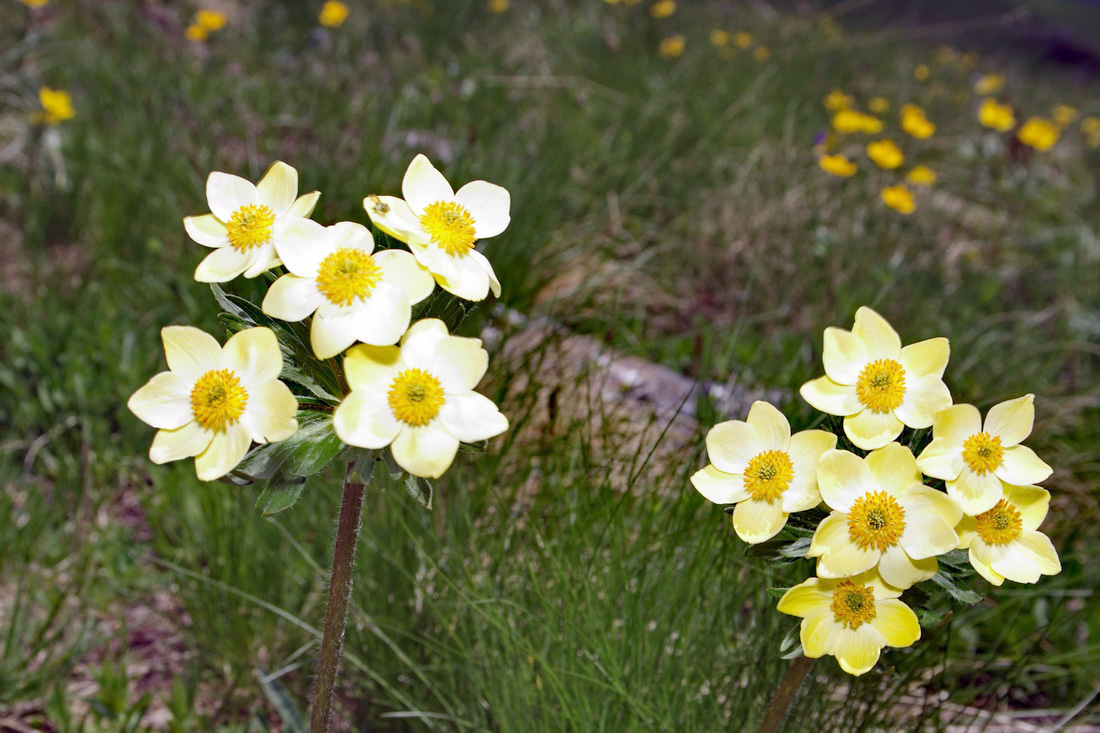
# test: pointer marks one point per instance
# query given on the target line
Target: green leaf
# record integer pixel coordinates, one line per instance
(956, 590)
(305, 453)
(930, 619)
(282, 702)
(280, 495)
(775, 592)
(420, 490)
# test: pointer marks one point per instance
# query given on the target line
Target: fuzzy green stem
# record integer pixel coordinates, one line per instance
(339, 595)
(784, 695)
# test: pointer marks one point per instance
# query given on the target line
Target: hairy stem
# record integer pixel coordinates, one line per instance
(784, 695)
(339, 594)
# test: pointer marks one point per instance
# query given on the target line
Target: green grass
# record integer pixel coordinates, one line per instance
(533, 595)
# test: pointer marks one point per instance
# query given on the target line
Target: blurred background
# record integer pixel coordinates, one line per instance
(693, 202)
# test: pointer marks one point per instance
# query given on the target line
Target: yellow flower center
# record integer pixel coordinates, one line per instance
(451, 226)
(1000, 525)
(415, 397)
(250, 226)
(347, 274)
(768, 475)
(983, 452)
(881, 385)
(853, 605)
(876, 521)
(218, 399)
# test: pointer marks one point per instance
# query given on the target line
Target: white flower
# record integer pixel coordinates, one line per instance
(441, 226)
(418, 398)
(214, 401)
(246, 222)
(356, 294)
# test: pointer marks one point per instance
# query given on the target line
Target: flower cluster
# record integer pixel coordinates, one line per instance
(408, 384)
(883, 526)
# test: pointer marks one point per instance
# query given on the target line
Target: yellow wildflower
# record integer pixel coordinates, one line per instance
(1039, 133)
(914, 122)
(195, 33)
(996, 116)
(719, 37)
(671, 47)
(211, 20)
(837, 165)
(762, 53)
(742, 40)
(899, 198)
(838, 100)
(1064, 114)
(922, 72)
(34, 3)
(663, 8)
(848, 121)
(334, 13)
(879, 105)
(989, 84)
(57, 105)
(921, 175)
(1004, 542)
(885, 153)
(1090, 128)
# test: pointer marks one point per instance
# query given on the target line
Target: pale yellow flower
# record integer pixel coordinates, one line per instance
(353, 293)
(763, 469)
(915, 123)
(1090, 129)
(418, 398)
(885, 153)
(35, 3)
(899, 198)
(876, 384)
(195, 33)
(719, 37)
(211, 20)
(742, 40)
(663, 8)
(838, 100)
(333, 14)
(1039, 133)
(246, 222)
(1064, 115)
(996, 116)
(1004, 541)
(441, 226)
(57, 105)
(837, 165)
(882, 516)
(762, 53)
(921, 175)
(922, 72)
(215, 401)
(671, 47)
(850, 619)
(848, 121)
(975, 458)
(989, 84)
(879, 105)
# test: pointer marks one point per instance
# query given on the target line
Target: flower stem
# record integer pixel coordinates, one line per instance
(339, 594)
(784, 695)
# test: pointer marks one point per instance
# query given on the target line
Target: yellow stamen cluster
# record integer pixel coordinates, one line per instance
(415, 397)
(881, 385)
(250, 226)
(218, 399)
(768, 475)
(451, 226)
(853, 605)
(983, 452)
(1000, 525)
(347, 274)
(876, 520)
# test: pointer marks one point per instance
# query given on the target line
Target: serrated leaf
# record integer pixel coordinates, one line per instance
(420, 490)
(226, 305)
(305, 453)
(956, 590)
(930, 619)
(278, 496)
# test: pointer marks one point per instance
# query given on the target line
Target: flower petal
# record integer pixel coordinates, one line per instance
(924, 397)
(190, 351)
(1015, 563)
(419, 343)
(424, 185)
(365, 419)
(225, 193)
(858, 650)
(263, 259)
(489, 204)
(870, 430)
(927, 532)
(291, 298)
(494, 284)
(278, 188)
(967, 530)
(372, 367)
(464, 276)
(731, 445)
(805, 599)
(394, 217)
(401, 269)
(206, 230)
(459, 363)
(303, 205)
(718, 486)
(770, 425)
(1021, 466)
(805, 452)
(270, 414)
(826, 395)
(981, 555)
(164, 401)
(756, 521)
(1031, 501)
(926, 358)
(1041, 550)
(254, 353)
(225, 451)
(224, 264)
(837, 556)
(975, 493)
(815, 632)
(956, 423)
(426, 452)
(843, 477)
(472, 417)
(942, 503)
(896, 622)
(902, 571)
(941, 459)
(894, 468)
(1012, 421)
(330, 335)
(183, 442)
(302, 245)
(880, 338)
(844, 355)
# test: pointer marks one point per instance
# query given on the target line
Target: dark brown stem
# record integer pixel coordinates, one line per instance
(339, 594)
(784, 695)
